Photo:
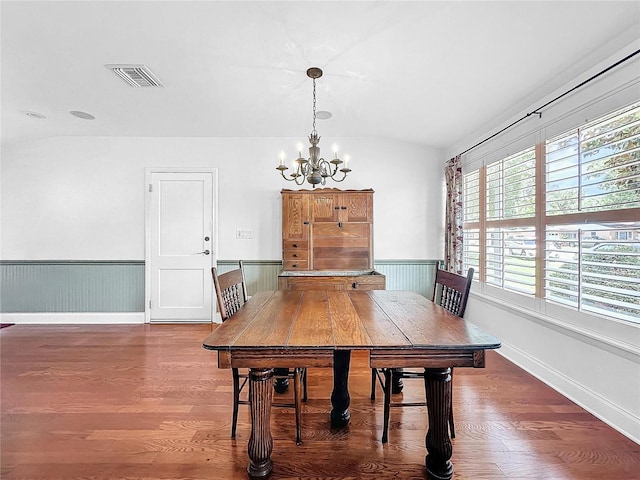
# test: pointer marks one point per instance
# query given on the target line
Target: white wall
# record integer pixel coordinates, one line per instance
(598, 371)
(595, 361)
(82, 198)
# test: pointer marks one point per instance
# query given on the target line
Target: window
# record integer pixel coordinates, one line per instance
(576, 244)
(593, 271)
(511, 187)
(510, 237)
(596, 167)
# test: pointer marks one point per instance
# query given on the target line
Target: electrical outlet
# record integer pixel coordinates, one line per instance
(244, 234)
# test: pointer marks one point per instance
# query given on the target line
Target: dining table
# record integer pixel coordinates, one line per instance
(318, 328)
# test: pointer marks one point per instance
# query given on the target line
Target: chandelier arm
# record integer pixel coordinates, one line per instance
(290, 179)
(324, 168)
(345, 171)
(335, 170)
(339, 180)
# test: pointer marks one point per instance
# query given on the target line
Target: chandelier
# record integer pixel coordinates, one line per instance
(315, 169)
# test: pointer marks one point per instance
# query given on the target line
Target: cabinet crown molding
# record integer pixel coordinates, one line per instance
(326, 190)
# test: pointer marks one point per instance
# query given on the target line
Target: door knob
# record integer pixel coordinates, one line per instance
(206, 252)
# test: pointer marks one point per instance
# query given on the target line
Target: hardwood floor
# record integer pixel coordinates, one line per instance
(148, 402)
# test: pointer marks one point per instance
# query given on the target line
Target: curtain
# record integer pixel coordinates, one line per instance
(453, 213)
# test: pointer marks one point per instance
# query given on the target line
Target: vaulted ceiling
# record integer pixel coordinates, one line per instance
(429, 72)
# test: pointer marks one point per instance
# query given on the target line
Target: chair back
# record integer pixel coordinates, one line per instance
(231, 290)
(451, 290)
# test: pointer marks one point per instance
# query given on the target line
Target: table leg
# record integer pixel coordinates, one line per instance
(340, 396)
(260, 441)
(437, 385)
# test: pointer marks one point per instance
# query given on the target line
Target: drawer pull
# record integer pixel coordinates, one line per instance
(294, 265)
(295, 255)
(295, 245)
(355, 285)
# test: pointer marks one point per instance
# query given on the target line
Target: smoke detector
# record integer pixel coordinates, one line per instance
(136, 75)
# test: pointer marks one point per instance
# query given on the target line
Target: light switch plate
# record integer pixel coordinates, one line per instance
(244, 234)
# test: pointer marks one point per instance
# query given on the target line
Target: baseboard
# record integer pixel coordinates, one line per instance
(76, 318)
(622, 420)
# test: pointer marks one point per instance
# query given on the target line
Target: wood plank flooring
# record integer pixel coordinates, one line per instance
(148, 402)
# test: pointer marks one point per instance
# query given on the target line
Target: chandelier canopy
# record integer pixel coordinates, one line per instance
(315, 170)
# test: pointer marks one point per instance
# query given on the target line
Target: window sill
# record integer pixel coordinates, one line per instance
(591, 328)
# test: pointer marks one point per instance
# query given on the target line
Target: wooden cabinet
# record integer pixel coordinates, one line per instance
(327, 240)
(327, 229)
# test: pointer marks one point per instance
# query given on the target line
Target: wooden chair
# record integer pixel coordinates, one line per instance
(451, 291)
(231, 294)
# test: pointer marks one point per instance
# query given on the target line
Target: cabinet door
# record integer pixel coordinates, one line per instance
(324, 207)
(346, 247)
(356, 207)
(295, 216)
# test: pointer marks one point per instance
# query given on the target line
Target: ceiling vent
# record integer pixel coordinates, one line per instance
(136, 75)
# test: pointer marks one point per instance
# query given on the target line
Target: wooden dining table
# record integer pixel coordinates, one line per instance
(316, 328)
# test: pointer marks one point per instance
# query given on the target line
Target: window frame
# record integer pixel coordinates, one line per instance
(540, 222)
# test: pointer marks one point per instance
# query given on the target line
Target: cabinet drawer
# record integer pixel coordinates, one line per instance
(367, 282)
(295, 264)
(330, 282)
(311, 283)
(295, 254)
(295, 244)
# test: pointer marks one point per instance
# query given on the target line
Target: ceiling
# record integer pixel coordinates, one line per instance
(429, 72)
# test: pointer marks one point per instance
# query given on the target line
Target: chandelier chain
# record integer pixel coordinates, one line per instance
(314, 107)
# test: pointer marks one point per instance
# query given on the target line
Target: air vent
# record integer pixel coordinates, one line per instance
(136, 75)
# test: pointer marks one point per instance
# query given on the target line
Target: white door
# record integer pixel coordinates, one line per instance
(181, 246)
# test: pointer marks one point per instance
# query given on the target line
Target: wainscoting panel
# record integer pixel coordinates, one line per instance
(414, 275)
(118, 286)
(71, 286)
(258, 274)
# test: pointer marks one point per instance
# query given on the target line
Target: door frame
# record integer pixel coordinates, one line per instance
(148, 172)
